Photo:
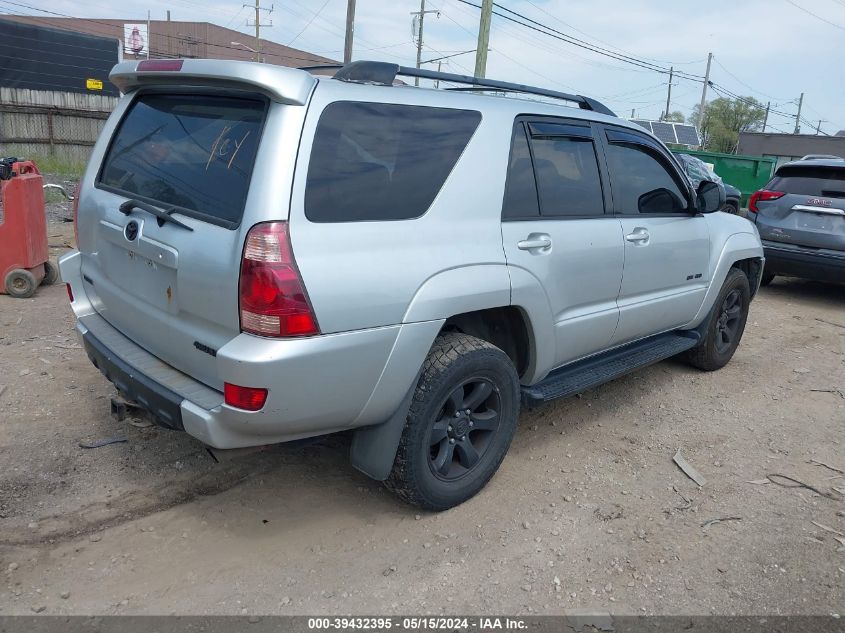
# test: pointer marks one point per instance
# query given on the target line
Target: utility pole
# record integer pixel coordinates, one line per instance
(169, 36)
(148, 34)
(766, 118)
(633, 113)
(258, 25)
(421, 17)
(798, 116)
(669, 94)
(704, 90)
(819, 126)
(350, 28)
(483, 39)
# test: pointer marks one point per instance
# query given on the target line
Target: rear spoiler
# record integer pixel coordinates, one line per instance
(285, 85)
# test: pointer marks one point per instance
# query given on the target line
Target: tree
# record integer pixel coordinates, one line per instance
(724, 119)
(675, 116)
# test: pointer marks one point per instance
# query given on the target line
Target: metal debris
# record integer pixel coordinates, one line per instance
(688, 469)
(707, 524)
(797, 483)
(97, 444)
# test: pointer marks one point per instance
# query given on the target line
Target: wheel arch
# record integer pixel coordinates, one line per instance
(740, 250)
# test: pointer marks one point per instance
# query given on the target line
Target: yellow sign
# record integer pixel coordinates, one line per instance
(93, 84)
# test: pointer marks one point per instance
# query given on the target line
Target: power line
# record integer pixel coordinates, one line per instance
(815, 15)
(554, 33)
(557, 19)
(307, 24)
(743, 83)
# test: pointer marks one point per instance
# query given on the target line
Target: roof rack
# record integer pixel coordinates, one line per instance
(385, 73)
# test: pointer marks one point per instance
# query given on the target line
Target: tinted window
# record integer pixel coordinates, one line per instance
(567, 176)
(520, 188)
(375, 161)
(827, 182)
(640, 183)
(187, 151)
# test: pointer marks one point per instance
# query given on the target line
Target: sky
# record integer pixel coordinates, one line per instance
(772, 50)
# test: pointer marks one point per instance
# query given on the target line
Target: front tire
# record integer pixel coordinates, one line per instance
(725, 325)
(460, 424)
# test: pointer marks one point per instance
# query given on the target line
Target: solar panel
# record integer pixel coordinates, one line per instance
(664, 131)
(645, 124)
(687, 134)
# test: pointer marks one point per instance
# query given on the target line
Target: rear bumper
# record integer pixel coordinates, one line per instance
(798, 261)
(315, 385)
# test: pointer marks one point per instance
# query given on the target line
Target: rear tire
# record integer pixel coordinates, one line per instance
(21, 283)
(725, 325)
(766, 279)
(460, 424)
(51, 274)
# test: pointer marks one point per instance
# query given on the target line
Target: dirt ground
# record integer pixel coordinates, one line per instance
(588, 510)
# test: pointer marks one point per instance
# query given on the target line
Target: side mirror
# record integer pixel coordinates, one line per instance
(710, 196)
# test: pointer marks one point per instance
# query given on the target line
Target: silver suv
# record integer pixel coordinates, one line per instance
(266, 255)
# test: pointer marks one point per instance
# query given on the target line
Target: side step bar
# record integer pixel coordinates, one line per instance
(596, 370)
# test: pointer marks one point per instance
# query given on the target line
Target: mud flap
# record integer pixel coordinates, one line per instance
(374, 447)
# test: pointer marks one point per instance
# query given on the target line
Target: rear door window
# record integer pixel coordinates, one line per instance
(827, 182)
(192, 153)
(520, 187)
(566, 169)
(379, 161)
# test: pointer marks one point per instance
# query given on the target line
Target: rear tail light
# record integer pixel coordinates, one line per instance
(173, 65)
(69, 292)
(273, 301)
(76, 217)
(247, 398)
(762, 196)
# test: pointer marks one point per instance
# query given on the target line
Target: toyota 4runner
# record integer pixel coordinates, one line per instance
(266, 255)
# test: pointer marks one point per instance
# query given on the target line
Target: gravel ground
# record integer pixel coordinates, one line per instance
(587, 512)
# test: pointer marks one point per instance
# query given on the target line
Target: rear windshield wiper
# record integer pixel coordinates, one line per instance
(163, 216)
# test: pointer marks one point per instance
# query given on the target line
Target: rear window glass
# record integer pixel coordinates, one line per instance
(828, 182)
(191, 152)
(376, 161)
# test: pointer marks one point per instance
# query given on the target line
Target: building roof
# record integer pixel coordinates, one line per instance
(795, 145)
(182, 39)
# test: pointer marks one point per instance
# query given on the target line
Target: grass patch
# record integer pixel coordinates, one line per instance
(63, 167)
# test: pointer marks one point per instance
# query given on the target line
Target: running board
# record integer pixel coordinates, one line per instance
(596, 370)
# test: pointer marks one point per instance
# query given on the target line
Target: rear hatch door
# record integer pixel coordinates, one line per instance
(811, 213)
(162, 221)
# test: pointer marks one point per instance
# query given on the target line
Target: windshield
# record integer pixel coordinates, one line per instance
(192, 152)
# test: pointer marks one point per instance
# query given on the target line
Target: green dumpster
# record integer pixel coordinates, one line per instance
(746, 173)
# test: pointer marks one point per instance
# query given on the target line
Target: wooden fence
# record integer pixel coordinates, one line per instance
(61, 124)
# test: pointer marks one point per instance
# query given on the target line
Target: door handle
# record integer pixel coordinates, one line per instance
(640, 235)
(535, 241)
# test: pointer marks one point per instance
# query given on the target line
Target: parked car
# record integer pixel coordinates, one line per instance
(266, 255)
(800, 215)
(698, 171)
(733, 199)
